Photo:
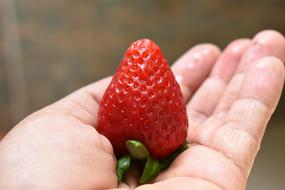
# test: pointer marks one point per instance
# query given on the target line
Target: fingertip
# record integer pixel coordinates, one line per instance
(98, 88)
(207, 48)
(211, 46)
(271, 39)
(269, 34)
(270, 61)
(273, 65)
(192, 68)
(238, 46)
(229, 60)
(197, 52)
(264, 81)
(264, 44)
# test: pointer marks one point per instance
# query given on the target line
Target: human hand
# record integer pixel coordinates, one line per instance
(230, 98)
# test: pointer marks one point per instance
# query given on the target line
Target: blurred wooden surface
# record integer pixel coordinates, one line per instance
(2, 134)
(63, 45)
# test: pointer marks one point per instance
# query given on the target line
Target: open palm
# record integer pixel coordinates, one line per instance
(230, 97)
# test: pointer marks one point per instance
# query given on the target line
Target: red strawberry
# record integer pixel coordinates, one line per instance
(144, 103)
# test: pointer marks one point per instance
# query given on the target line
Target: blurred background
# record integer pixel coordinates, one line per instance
(50, 48)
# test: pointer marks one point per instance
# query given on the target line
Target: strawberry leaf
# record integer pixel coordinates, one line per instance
(151, 170)
(137, 149)
(123, 165)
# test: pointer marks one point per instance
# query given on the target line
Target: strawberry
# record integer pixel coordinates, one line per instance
(144, 102)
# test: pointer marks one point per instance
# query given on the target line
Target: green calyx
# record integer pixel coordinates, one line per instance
(151, 170)
(152, 166)
(123, 165)
(137, 149)
(167, 161)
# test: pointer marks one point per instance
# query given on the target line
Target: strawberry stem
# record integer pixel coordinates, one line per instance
(137, 149)
(123, 165)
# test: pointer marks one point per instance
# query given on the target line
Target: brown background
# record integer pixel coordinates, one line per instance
(50, 48)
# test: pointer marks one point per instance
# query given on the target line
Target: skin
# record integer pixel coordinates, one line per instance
(230, 98)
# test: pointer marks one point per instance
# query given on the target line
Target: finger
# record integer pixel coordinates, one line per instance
(194, 66)
(205, 163)
(63, 131)
(181, 183)
(213, 87)
(266, 43)
(83, 104)
(98, 88)
(131, 178)
(240, 136)
(56, 151)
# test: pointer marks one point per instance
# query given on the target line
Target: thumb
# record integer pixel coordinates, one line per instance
(56, 148)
